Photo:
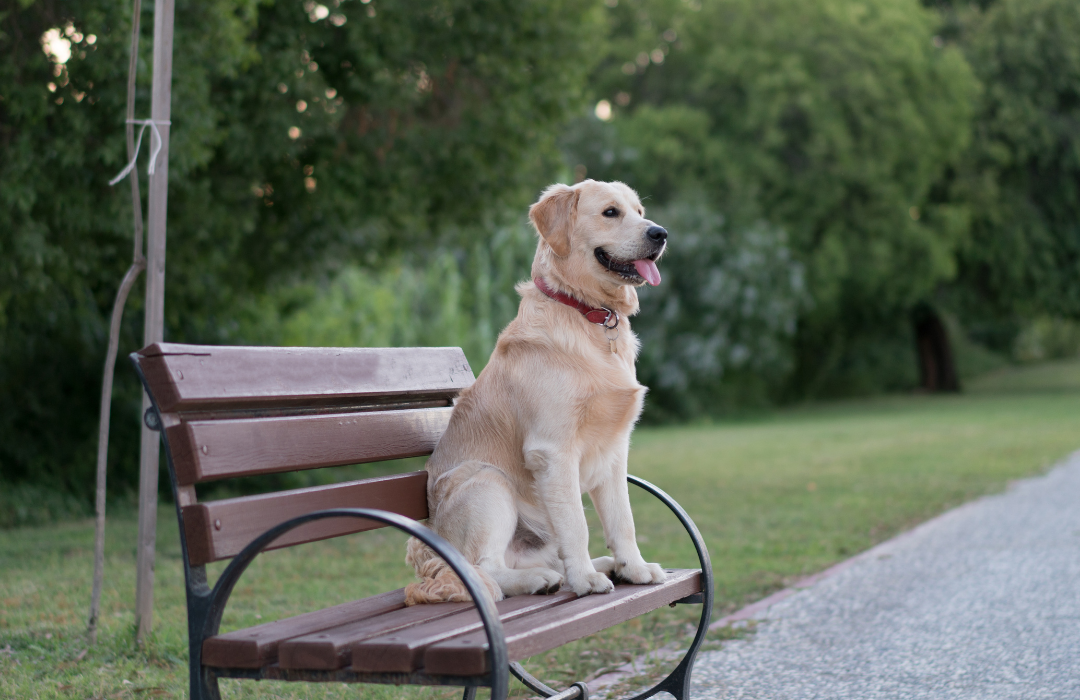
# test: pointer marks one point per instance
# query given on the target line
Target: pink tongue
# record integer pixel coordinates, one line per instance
(647, 269)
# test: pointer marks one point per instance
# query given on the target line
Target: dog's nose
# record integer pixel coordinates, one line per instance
(656, 233)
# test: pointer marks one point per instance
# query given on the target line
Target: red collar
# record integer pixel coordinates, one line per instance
(600, 316)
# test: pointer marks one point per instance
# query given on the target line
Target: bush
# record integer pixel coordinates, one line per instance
(28, 504)
(716, 333)
(460, 296)
(1048, 339)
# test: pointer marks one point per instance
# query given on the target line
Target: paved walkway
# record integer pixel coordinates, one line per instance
(981, 603)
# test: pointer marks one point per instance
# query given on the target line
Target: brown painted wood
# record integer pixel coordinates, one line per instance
(257, 646)
(221, 529)
(219, 449)
(205, 377)
(534, 634)
(331, 648)
(402, 651)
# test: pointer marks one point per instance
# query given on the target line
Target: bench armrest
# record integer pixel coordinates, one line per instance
(691, 529)
(678, 682)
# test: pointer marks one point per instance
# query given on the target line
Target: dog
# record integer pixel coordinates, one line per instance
(550, 416)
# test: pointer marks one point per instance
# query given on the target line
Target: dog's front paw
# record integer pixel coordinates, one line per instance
(639, 572)
(593, 582)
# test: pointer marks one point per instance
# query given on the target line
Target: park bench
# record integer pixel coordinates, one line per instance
(227, 412)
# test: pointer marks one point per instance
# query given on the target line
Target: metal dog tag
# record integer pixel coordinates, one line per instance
(612, 316)
(612, 338)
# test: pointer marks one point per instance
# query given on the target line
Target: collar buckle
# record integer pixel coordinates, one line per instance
(610, 315)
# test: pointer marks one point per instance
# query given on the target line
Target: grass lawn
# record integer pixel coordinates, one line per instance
(776, 497)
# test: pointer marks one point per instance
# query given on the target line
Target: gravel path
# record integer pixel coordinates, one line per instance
(981, 603)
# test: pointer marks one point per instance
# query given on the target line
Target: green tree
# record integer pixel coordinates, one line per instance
(1021, 179)
(305, 136)
(833, 119)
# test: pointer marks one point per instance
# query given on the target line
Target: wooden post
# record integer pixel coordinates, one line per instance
(160, 113)
(138, 264)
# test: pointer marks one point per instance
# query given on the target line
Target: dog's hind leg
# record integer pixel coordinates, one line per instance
(479, 517)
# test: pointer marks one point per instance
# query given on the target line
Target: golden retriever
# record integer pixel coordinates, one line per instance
(550, 415)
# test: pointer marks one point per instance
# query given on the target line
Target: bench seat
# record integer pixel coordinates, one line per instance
(381, 635)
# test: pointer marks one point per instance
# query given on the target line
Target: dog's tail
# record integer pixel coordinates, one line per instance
(438, 583)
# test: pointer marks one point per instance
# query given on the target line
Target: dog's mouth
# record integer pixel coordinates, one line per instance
(634, 271)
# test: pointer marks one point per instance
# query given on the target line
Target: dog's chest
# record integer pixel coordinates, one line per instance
(609, 411)
(614, 399)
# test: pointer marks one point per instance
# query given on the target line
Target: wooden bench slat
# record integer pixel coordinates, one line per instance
(254, 647)
(534, 634)
(403, 651)
(205, 377)
(330, 649)
(221, 529)
(219, 449)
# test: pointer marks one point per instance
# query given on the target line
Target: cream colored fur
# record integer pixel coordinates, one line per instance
(548, 419)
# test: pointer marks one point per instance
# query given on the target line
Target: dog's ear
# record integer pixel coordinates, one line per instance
(554, 215)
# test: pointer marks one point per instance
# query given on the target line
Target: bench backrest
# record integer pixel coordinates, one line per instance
(241, 411)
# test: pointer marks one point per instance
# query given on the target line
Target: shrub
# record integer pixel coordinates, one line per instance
(726, 310)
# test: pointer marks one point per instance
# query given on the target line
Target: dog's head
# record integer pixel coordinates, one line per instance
(596, 240)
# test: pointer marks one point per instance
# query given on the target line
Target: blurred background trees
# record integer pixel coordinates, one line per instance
(833, 120)
(306, 136)
(864, 195)
(1020, 258)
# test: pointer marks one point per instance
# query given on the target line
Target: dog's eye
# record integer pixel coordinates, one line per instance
(611, 212)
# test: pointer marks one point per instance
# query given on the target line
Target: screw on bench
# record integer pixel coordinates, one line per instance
(151, 420)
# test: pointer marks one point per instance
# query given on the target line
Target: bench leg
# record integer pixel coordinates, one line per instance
(204, 685)
(531, 682)
(470, 693)
(678, 681)
(577, 691)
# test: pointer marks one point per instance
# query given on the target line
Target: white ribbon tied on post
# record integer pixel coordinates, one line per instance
(153, 124)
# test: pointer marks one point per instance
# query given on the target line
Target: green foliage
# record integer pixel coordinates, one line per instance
(1048, 338)
(22, 505)
(414, 119)
(831, 118)
(716, 334)
(419, 117)
(1056, 377)
(1022, 178)
(457, 297)
(973, 359)
(64, 237)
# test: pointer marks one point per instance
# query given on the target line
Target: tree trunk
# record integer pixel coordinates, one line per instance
(937, 370)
